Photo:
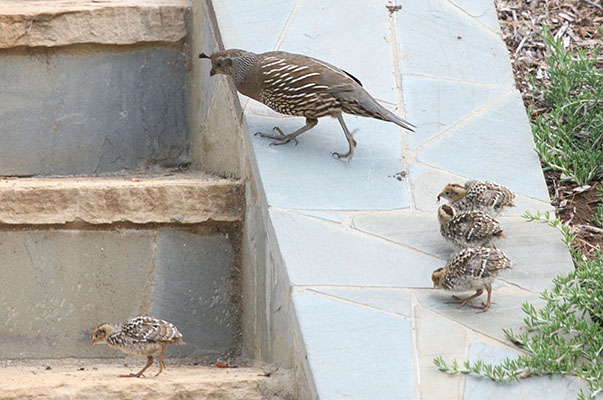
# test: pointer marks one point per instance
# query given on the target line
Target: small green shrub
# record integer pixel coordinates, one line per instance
(569, 134)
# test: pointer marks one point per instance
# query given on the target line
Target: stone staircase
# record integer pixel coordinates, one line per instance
(105, 209)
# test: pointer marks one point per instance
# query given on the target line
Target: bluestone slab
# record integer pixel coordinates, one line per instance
(396, 301)
(364, 25)
(59, 285)
(307, 176)
(355, 352)
(437, 39)
(420, 232)
(251, 26)
(504, 313)
(436, 105)
(93, 113)
(321, 253)
(468, 150)
(481, 10)
(537, 252)
(194, 286)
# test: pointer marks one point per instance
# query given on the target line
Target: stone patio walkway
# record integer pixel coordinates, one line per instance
(360, 240)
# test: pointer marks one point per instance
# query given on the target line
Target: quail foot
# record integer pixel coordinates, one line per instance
(141, 336)
(294, 84)
(486, 196)
(472, 268)
(468, 228)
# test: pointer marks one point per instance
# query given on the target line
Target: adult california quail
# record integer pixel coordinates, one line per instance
(472, 268)
(299, 85)
(487, 196)
(468, 228)
(141, 336)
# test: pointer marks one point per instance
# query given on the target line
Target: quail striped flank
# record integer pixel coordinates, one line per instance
(487, 196)
(472, 268)
(141, 336)
(468, 228)
(295, 84)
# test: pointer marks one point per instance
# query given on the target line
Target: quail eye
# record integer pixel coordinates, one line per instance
(219, 63)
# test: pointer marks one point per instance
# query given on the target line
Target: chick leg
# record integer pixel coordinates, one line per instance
(139, 373)
(164, 347)
(282, 138)
(465, 300)
(485, 306)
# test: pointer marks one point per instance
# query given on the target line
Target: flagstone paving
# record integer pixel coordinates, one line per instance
(359, 240)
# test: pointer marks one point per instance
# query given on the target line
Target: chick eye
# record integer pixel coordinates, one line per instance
(219, 63)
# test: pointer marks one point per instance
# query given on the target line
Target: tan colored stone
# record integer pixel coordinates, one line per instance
(182, 198)
(87, 379)
(120, 22)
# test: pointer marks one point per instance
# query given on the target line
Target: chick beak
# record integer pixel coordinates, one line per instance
(212, 72)
(438, 198)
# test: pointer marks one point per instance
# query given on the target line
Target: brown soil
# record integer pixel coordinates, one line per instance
(576, 206)
(576, 23)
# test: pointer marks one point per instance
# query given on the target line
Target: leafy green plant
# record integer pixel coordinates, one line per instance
(569, 134)
(564, 337)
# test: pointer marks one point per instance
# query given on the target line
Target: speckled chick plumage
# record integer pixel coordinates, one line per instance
(472, 268)
(485, 196)
(142, 336)
(468, 228)
(294, 84)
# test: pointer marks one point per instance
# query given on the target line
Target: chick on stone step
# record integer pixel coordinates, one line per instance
(485, 196)
(303, 86)
(469, 228)
(472, 268)
(141, 336)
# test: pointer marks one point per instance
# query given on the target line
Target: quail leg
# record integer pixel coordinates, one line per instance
(164, 347)
(139, 373)
(282, 138)
(465, 300)
(348, 135)
(485, 306)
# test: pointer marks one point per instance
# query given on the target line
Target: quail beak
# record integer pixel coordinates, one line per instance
(212, 72)
(438, 198)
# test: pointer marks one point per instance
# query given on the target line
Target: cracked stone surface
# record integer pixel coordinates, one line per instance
(360, 240)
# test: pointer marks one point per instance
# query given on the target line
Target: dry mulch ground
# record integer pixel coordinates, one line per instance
(576, 23)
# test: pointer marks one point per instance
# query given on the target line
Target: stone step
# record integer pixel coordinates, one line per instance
(183, 198)
(120, 22)
(96, 86)
(89, 379)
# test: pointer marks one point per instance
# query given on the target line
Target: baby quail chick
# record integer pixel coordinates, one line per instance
(466, 229)
(473, 268)
(141, 336)
(486, 196)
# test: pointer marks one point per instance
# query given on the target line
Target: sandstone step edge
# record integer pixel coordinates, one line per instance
(110, 22)
(97, 379)
(182, 199)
